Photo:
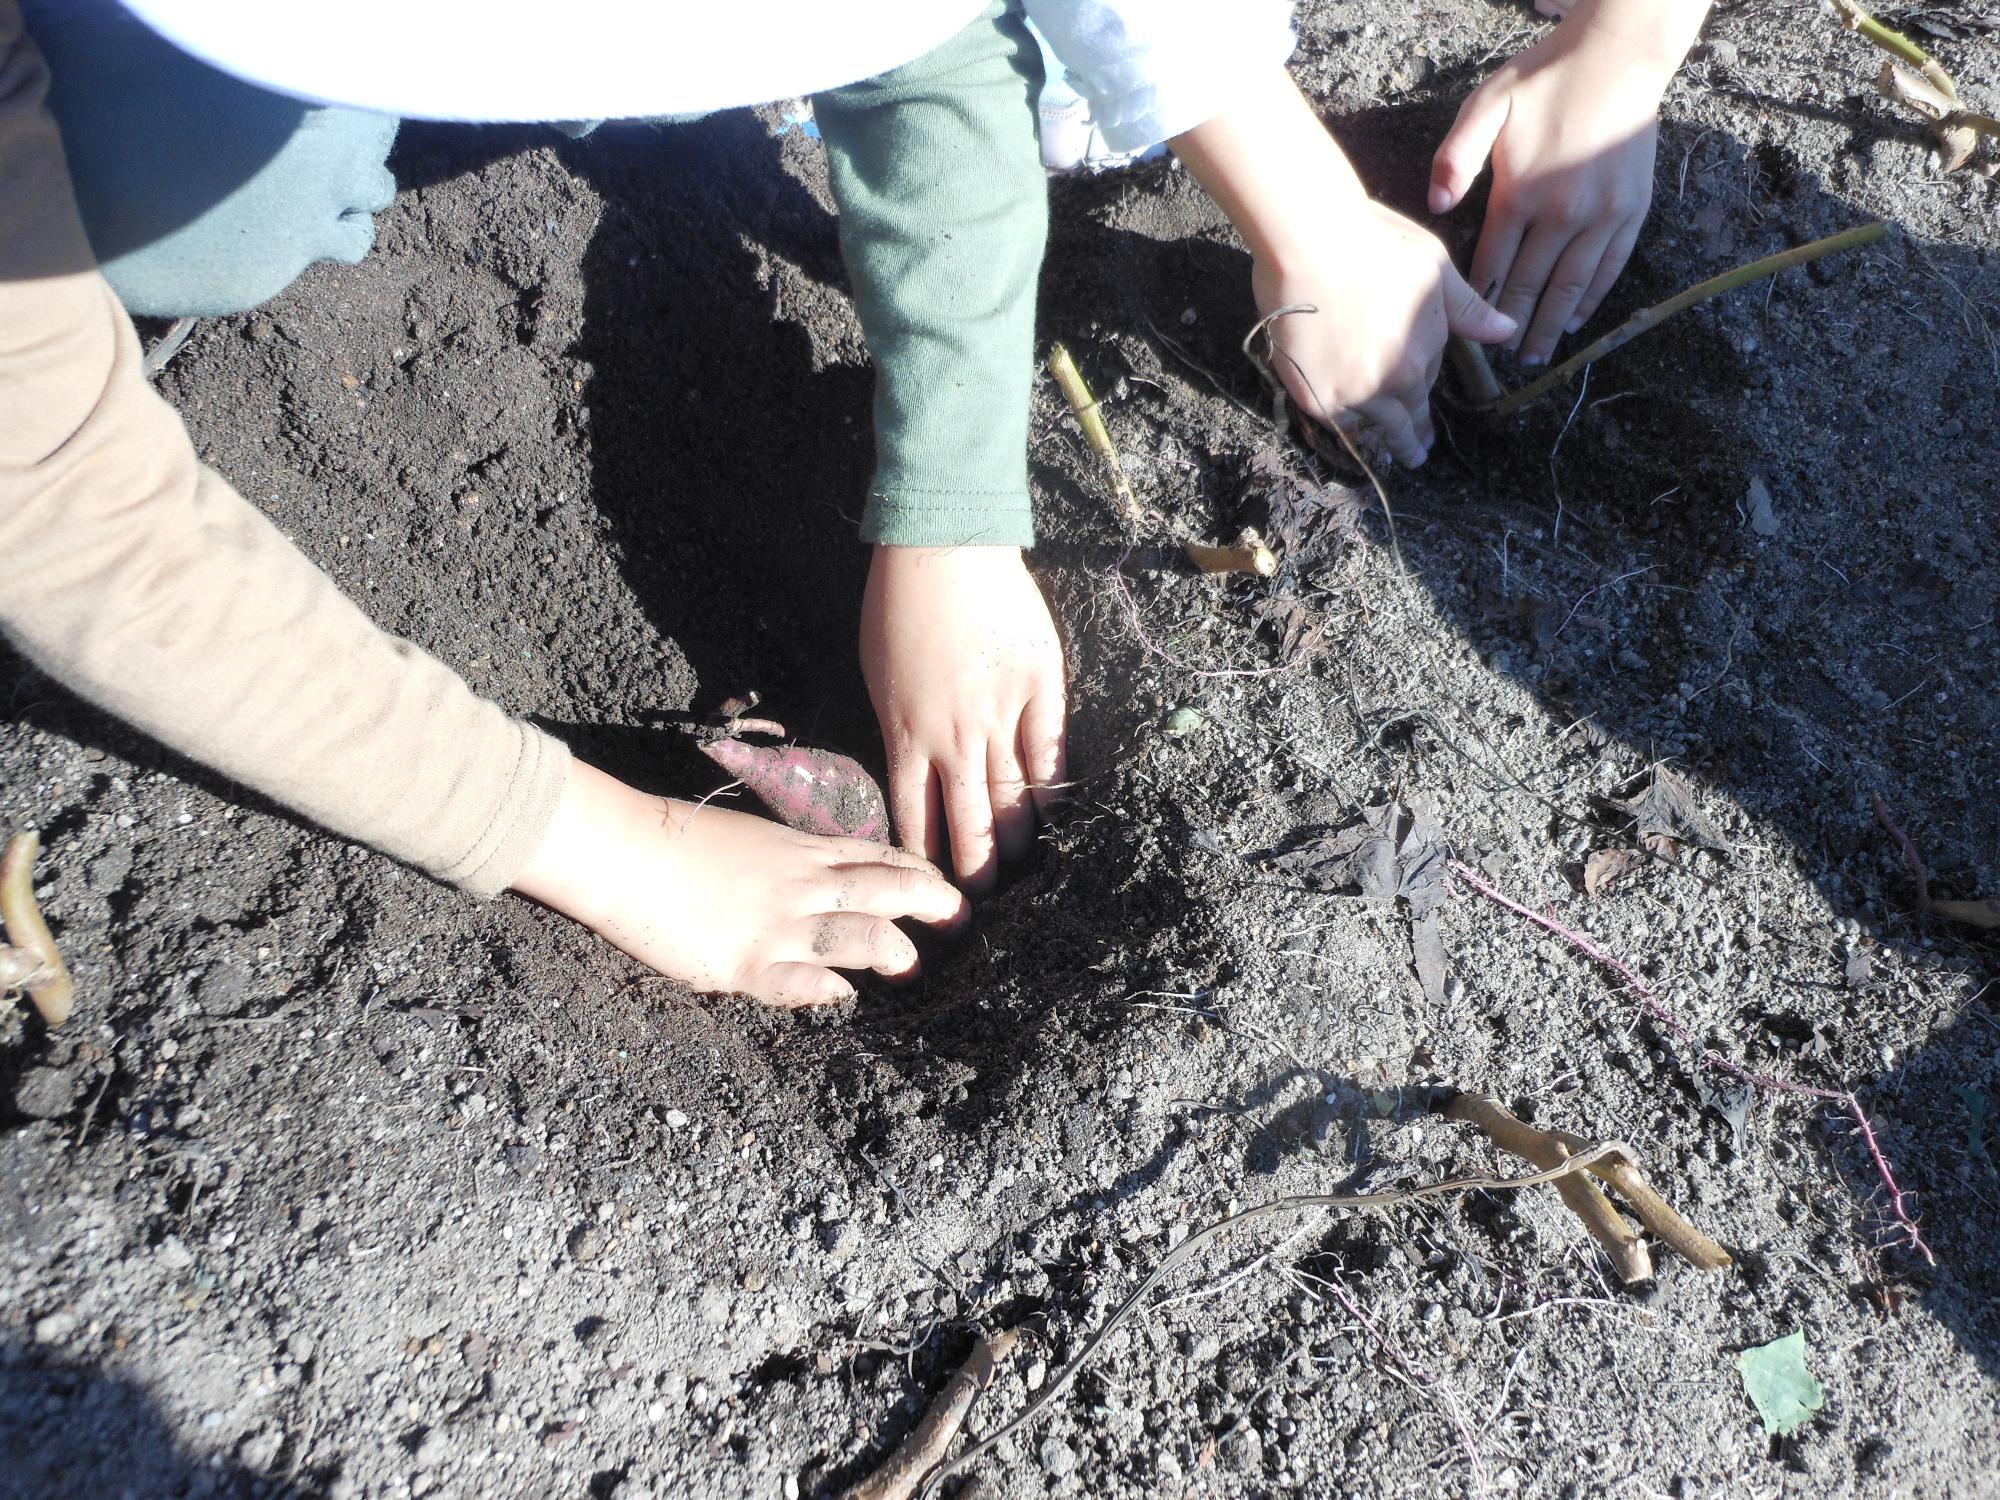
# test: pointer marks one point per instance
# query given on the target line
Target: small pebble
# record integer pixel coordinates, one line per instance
(1057, 1457)
(55, 1327)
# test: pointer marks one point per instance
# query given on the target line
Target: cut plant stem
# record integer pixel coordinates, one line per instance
(1621, 1174)
(1659, 312)
(1629, 1255)
(930, 1440)
(49, 987)
(1249, 554)
(1091, 420)
(1476, 380)
(1896, 44)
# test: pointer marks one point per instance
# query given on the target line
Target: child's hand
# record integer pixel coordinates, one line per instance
(732, 903)
(1385, 291)
(1570, 125)
(966, 672)
(1386, 295)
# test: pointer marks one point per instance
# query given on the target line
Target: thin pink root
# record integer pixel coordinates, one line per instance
(1656, 1010)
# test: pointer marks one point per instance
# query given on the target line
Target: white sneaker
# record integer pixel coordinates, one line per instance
(1071, 141)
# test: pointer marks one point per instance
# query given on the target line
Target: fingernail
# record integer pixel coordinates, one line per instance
(1572, 325)
(1534, 359)
(1440, 200)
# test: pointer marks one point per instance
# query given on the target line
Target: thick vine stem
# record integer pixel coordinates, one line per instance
(1854, 18)
(1659, 312)
(49, 986)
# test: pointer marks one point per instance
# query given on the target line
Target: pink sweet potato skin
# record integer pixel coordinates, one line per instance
(814, 791)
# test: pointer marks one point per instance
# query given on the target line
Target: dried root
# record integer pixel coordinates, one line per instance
(1550, 1148)
(32, 962)
(930, 1440)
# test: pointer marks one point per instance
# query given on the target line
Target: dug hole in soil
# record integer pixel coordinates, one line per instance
(339, 1183)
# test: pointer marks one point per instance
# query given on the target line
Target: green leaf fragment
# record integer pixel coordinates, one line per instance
(1184, 721)
(1775, 1375)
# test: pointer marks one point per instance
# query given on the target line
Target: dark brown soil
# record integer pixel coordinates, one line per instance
(342, 1184)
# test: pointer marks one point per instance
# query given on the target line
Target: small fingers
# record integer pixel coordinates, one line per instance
(914, 806)
(1571, 278)
(1609, 269)
(1044, 751)
(1007, 789)
(855, 940)
(1530, 274)
(800, 986)
(1466, 146)
(1397, 425)
(968, 808)
(1499, 242)
(881, 888)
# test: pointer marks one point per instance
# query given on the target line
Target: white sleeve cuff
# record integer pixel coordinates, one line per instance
(1152, 69)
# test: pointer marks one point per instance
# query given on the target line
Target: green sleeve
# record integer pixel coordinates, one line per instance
(943, 215)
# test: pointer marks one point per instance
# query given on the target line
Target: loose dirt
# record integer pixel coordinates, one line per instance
(342, 1184)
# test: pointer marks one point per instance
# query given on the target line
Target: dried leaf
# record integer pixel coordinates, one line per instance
(1395, 851)
(1608, 867)
(1775, 1375)
(1664, 815)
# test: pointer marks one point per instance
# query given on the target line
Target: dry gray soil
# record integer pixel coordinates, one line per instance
(342, 1184)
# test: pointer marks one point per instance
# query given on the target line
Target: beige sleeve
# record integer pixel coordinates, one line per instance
(144, 582)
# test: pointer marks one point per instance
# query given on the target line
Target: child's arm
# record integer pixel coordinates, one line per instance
(943, 212)
(1570, 126)
(143, 581)
(1384, 291)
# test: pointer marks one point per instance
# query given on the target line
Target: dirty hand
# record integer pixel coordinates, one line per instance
(731, 903)
(1385, 295)
(966, 672)
(1385, 292)
(1570, 125)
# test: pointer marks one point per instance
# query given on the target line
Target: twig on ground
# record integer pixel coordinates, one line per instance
(1629, 1256)
(1659, 312)
(1201, 1238)
(1091, 419)
(1956, 131)
(930, 1440)
(47, 981)
(1624, 1177)
(1656, 1010)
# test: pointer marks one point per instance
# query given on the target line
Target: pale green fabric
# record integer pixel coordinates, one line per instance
(943, 218)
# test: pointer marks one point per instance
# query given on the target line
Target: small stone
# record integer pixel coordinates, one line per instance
(676, 1120)
(55, 1327)
(45, 1093)
(1057, 1457)
(1757, 502)
(586, 1244)
(430, 1451)
(174, 1254)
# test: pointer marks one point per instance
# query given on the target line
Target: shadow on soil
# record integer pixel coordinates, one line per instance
(73, 1430)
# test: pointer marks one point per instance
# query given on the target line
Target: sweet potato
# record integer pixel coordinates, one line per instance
(814, 791)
